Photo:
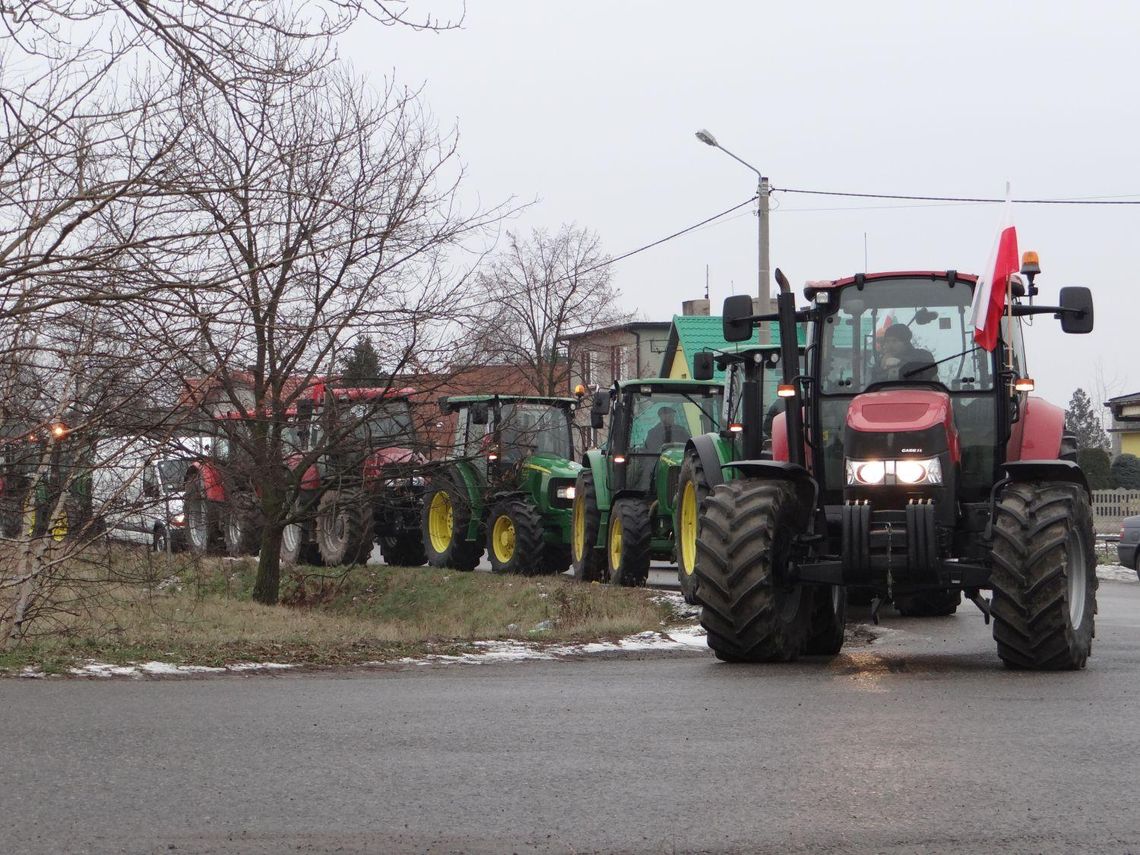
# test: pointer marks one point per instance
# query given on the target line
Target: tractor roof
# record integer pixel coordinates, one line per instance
(367, 393)
(813, 288)
(454, 402)
(670, 383)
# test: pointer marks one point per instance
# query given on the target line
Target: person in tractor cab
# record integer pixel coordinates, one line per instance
(666, 431)
(899, 357)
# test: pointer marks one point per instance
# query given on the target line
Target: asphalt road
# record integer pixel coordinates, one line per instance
(921, 742)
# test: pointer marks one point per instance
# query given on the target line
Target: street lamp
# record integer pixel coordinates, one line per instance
(763, 192)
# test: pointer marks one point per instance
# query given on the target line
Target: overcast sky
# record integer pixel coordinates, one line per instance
(590, 108)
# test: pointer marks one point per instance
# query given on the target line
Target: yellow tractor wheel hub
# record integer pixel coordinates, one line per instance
(441, 519)
(615, 542)
(503, 539)
(579, 540)
(688, 532)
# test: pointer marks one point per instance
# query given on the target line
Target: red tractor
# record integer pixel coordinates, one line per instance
(909, 462)
(365, 486)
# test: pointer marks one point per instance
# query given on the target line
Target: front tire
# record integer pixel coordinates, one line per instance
(203, 535)
(515, 539)
(1044, 576)
(628, 543)
(241, 533)
(745, 542)
(589, 561)
(344, 528)
(692, 490)
(828, 621)
(404, 550)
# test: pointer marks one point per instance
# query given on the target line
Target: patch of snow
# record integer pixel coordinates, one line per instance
(680, 608)
(1116, 573)
(32, 672)
(166, 669)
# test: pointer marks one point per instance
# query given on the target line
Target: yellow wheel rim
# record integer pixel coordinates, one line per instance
(503, 539)
(441, 519)
(579, 541)
(615, 542)
(688, 532)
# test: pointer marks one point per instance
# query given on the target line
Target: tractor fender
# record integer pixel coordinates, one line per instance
(1047, 470)
(464, 476)
(213, 486)
(1038, 434)
(807, 490)
(706, 449)
(596, 462)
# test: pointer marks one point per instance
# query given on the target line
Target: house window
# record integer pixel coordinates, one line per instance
(617, 354)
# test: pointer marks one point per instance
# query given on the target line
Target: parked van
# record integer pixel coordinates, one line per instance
(137, 488)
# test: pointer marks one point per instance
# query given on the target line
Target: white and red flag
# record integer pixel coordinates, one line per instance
(989, 293)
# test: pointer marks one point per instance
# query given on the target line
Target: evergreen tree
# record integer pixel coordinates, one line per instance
(1084, 422)
(1097, 468)
(361, 367)
(1126, 471)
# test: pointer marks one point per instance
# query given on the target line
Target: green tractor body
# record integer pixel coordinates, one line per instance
(626, 497)
(508, 485)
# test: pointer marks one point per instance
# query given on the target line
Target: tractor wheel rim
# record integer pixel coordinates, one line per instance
(234, 528)
(615, 542)
(579, 541)
(291, 537)
(440, 522)
(503, 539)
(196, 521)
(340, 527)
(688, 533)
(1077, 577)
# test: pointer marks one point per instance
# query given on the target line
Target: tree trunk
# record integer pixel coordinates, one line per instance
(267, 587)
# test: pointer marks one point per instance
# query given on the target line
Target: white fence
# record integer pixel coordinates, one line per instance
(1111, 506)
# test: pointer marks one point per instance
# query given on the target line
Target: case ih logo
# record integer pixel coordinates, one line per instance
(911, 451)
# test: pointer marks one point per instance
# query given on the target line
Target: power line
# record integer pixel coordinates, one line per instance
(1095, 200)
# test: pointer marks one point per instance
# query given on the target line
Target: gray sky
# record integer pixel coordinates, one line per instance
(590, 107)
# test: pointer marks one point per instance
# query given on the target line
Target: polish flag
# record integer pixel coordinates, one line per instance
(989, 293)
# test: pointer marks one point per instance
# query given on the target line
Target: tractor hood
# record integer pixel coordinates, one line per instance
(386, 462)
(553, 466)
(901, 422)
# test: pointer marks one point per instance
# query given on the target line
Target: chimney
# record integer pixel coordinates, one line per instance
(695, 307)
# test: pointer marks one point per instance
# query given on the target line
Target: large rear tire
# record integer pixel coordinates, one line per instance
(929, 603)
(203, 534)
(589, 561)
(692, 490)
(298, 539)
(1044, 576)
(446, 516)
(344, 528)
(629, 541)
(515, 538)
(242, 530)
(744, 545)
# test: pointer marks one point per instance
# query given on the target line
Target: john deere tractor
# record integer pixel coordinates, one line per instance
(45, 482)
(625, 497)
(508, 486)
(904, 462)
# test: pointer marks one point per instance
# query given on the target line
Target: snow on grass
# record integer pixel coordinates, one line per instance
(165, 669)
(1116, 573)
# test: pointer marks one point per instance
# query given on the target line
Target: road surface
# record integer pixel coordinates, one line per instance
(920, 742)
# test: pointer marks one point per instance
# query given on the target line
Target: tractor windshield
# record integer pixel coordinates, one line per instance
(382, 424)
(904, 329)
(665, 419)
(535, 428)
(172, 474)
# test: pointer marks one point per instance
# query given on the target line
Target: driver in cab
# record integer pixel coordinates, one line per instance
(666, 431)
(899, 357)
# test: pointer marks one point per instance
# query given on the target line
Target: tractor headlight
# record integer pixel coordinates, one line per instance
(178, 519)
(565, 492)
(911, 472)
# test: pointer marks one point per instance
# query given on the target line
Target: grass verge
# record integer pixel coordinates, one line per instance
(200, 613)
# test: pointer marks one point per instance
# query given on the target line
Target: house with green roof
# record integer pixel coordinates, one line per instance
(690, 334)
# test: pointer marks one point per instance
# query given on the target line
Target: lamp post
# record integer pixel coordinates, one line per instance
(763, 192)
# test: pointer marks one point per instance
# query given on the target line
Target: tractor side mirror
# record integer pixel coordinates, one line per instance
(1077, 303)
(737, 318)
(480, 413)
(703, 365)
(600, 408)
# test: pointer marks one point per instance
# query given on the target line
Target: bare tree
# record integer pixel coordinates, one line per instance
(540, 289)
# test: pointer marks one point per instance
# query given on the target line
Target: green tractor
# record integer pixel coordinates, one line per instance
(508, 486)
(625, 498)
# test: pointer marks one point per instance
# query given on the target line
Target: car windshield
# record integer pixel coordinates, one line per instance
(535, 428)
(902, 329)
